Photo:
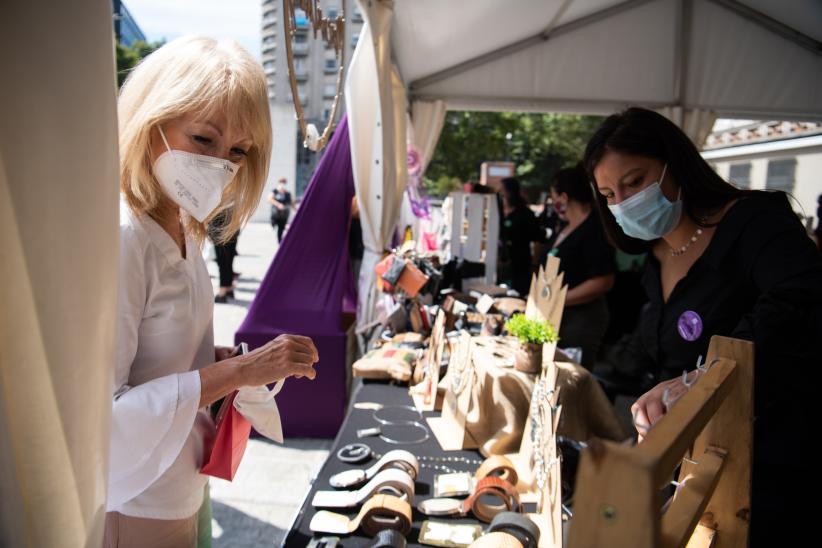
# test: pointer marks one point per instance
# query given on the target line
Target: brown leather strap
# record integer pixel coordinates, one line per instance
(498, 488)
(496, 540)
(378, 513)
(499, 466)
(385, 512)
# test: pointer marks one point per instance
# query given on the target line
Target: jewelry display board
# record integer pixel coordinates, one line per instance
(424, 393)
(546, 298)
(460, 382)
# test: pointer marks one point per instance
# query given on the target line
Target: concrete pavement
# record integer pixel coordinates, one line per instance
(256, 509)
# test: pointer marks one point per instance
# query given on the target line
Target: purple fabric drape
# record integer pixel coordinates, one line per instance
(304, 292)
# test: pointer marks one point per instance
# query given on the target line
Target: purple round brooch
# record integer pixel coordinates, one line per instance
(689, 325)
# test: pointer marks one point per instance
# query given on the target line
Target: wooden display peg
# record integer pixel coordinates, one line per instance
(460, 384)
(424, 393)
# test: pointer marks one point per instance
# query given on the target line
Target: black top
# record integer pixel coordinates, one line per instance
(519, 229)
(584, 253)
(759, 279)
(284, 198)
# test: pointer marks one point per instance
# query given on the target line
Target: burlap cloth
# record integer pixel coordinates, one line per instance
(501, 398)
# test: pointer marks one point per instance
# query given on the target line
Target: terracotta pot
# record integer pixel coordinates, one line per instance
(529, 358)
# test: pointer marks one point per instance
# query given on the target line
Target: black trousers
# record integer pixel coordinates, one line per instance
(279, 223)
(225, 261)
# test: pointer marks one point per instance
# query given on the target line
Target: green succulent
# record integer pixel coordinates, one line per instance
(531, 331)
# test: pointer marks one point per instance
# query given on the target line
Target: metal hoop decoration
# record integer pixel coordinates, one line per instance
(333, 33)
(416, 415)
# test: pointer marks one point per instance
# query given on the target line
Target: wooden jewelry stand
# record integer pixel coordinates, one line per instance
(449, 428)
(424, 394)
(618, 499)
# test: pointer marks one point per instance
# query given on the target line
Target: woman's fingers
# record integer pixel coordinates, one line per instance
(304, 344)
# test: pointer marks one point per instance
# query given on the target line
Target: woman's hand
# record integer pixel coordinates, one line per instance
(286, 356)
(224, 352)
(652, 405)
(649, 408)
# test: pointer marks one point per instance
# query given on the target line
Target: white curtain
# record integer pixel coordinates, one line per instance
(427, 119)
(696, 123)
(376, 105)
(58, 269)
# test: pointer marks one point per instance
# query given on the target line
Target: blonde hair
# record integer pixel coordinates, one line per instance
(195, 75)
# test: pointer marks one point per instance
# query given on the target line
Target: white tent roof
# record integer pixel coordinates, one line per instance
(757, 59)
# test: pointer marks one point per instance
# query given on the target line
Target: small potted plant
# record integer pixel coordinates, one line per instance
(532, 335)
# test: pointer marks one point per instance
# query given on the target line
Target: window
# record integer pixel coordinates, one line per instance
(331, 13)
(326, 114)
(740, 175)
(329, 90)
(354, 39)
(300, 39)
(330, 65)
(268, 65)
(781, 175)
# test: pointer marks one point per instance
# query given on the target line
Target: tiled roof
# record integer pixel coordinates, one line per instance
(761, 132)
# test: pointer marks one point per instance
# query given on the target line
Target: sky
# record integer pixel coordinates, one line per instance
(168, 19)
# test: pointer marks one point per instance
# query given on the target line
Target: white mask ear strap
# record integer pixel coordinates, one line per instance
(163, 135)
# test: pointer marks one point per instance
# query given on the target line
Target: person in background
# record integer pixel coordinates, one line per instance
(194, 139)
(280, 200)
(587, 261)
(225, 251)
(721, 261)
(518, 229)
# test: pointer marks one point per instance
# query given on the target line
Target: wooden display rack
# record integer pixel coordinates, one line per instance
(618, 493)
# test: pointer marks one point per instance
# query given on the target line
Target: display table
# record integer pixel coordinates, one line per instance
(300, 535)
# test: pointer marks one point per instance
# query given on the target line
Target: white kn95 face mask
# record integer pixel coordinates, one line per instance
(194, 181)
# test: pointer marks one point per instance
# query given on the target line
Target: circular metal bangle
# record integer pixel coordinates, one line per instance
(415, 416)
(424, 437)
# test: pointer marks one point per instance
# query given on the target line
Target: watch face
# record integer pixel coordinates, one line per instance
(354, 453)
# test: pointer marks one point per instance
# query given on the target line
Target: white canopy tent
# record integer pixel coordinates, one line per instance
(693, 60)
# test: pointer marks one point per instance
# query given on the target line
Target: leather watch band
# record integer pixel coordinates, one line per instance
(393, 459)
(378, 513)
(475, 503)
(517, 525)
(394, 480)
(496, 540)
(504, 491)
(499, 466)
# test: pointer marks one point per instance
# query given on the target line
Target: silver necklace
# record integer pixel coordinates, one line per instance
(684, 248)
(438, 463)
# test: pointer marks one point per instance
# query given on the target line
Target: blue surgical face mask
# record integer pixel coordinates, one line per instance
(648, 214)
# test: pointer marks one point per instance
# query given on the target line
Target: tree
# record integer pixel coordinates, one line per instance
(538, 144)
(129, 56)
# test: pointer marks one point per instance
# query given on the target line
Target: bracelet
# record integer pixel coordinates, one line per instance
(394, 480)
(380, 512)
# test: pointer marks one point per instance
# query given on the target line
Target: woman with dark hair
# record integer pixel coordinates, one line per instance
(722, 261)
(518, 229)
(587, 261)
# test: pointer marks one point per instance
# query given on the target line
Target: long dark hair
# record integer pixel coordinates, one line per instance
(513, 192)
(573, 181)
(643, 132)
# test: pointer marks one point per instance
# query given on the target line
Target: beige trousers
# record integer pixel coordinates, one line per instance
(129, 532)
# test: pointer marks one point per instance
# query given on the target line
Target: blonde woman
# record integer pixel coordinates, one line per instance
(195, 139)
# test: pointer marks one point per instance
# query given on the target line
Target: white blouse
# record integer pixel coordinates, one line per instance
(164, 335)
